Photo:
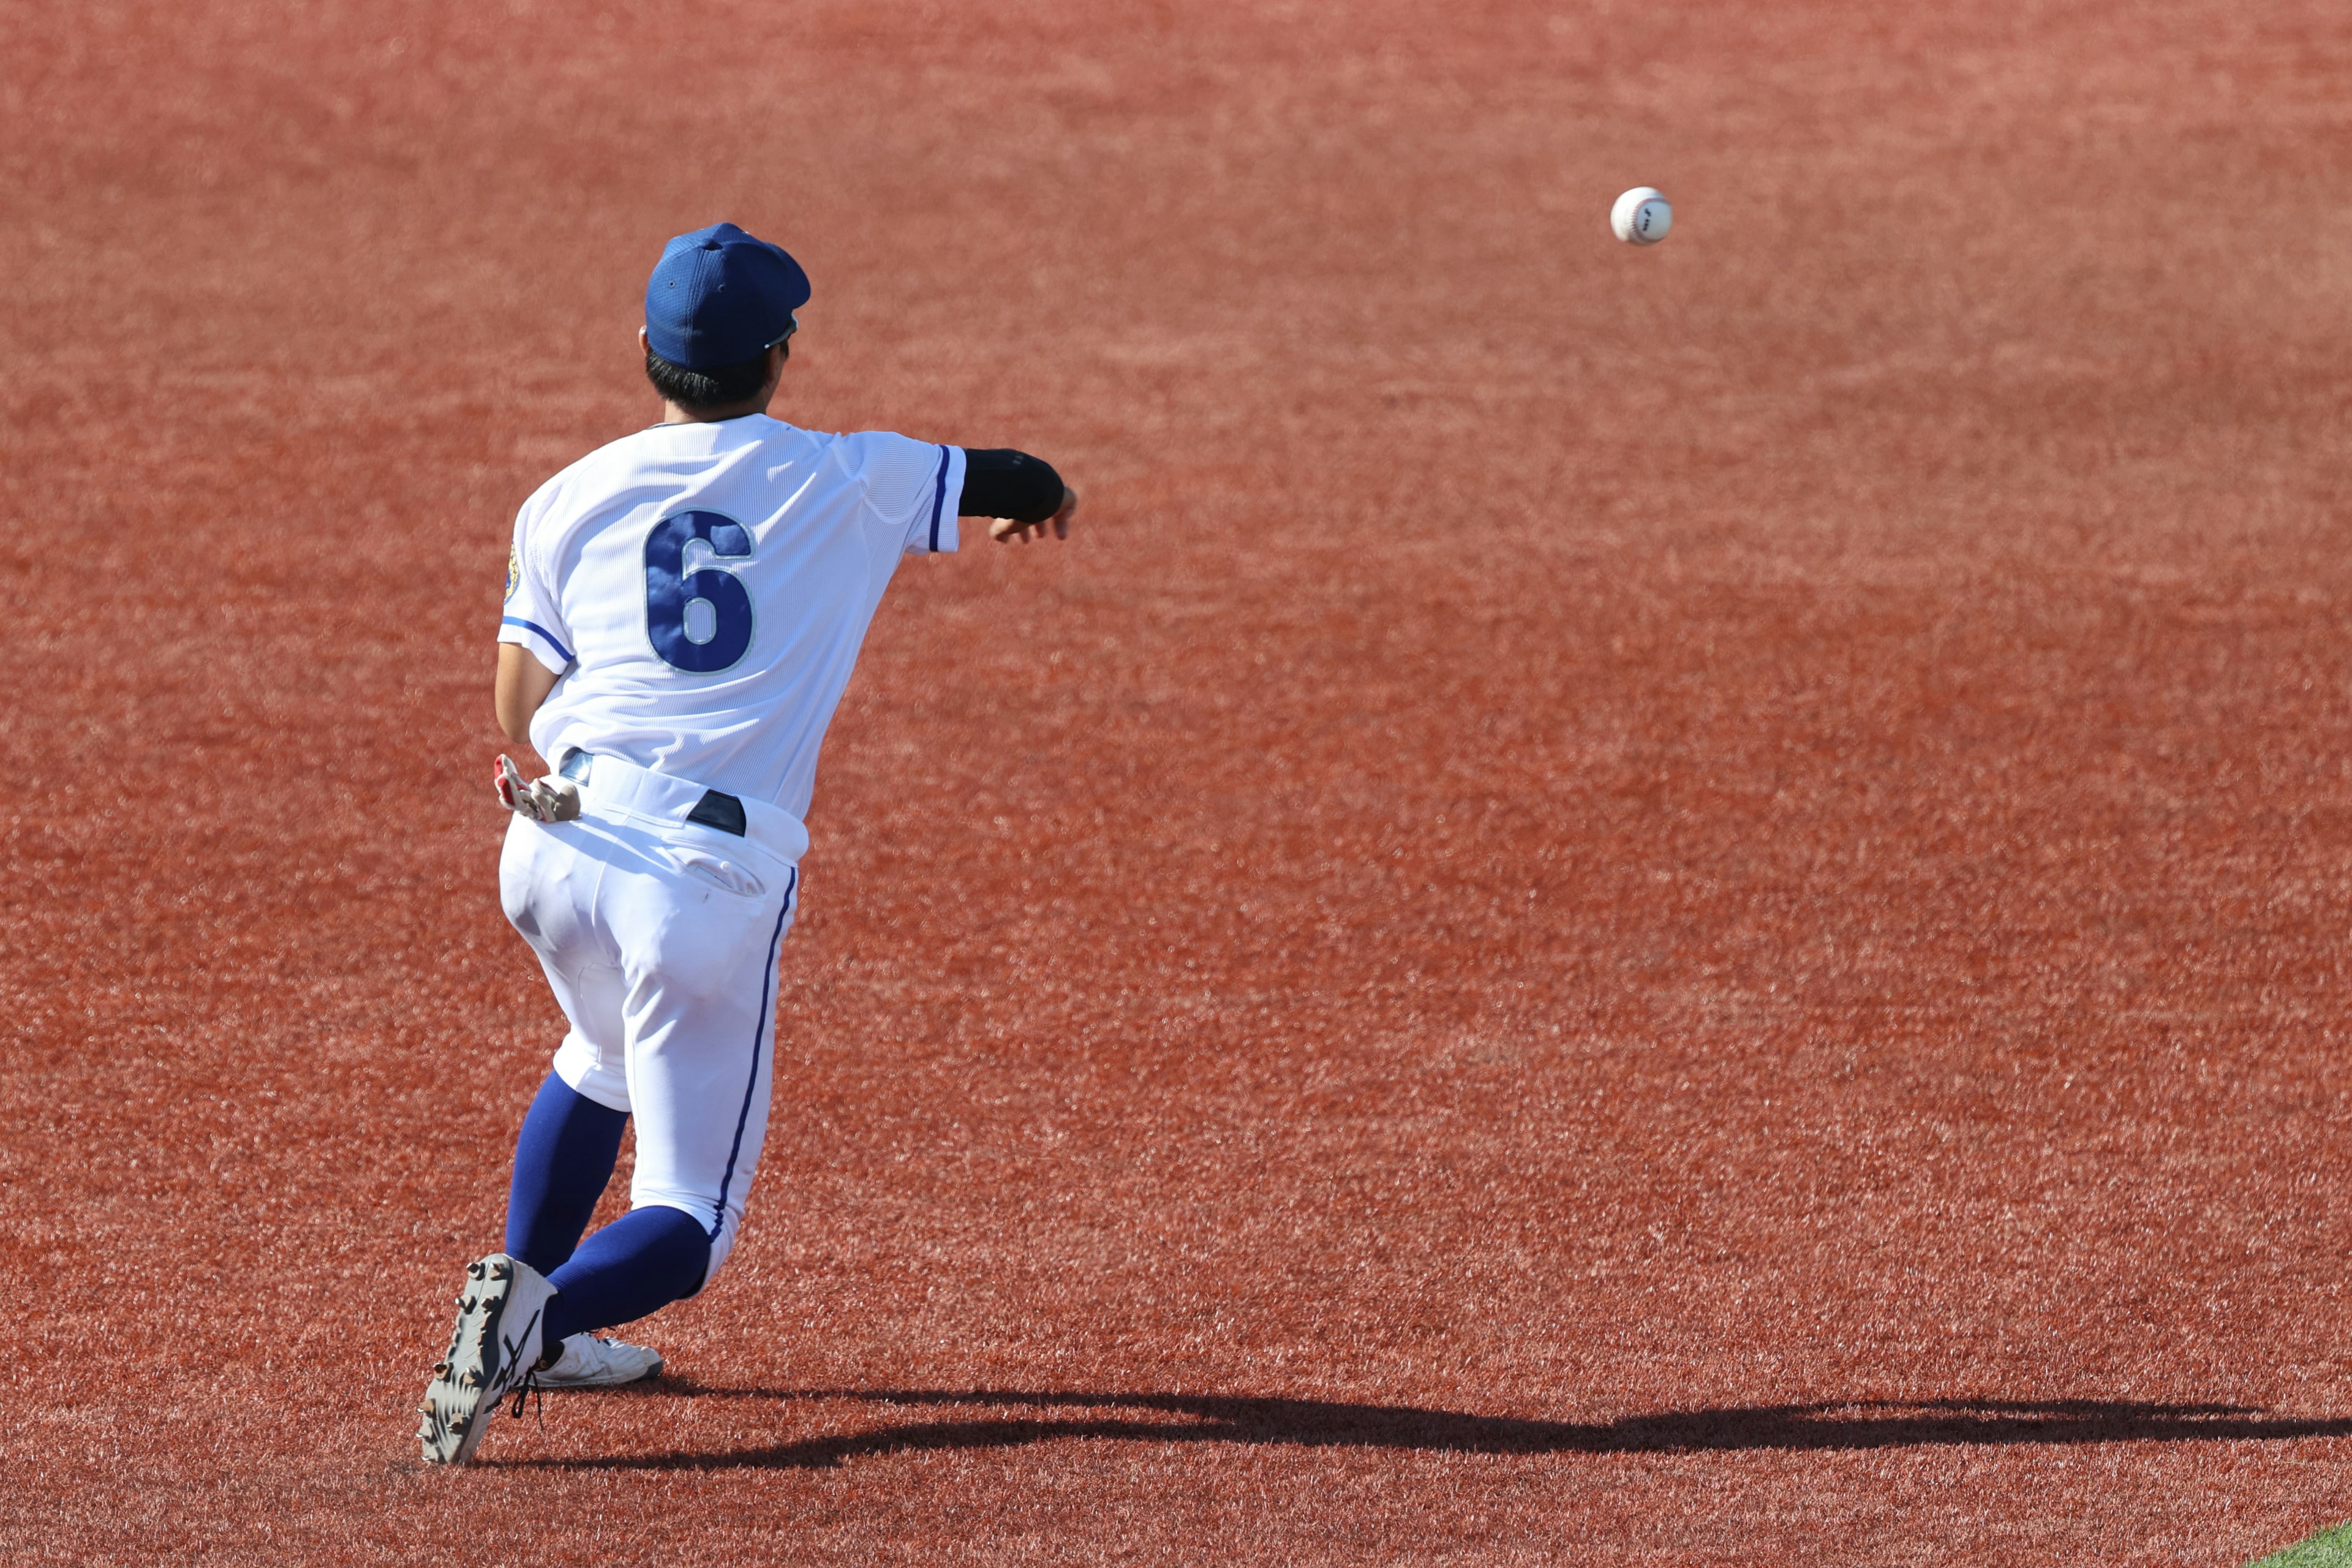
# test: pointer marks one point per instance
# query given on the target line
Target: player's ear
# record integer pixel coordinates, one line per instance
(644, 343)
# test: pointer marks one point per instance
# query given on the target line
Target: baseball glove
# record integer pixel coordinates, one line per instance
(551, 799)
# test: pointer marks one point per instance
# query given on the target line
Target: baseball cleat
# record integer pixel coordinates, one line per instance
(590, 1361)
(492, 1353)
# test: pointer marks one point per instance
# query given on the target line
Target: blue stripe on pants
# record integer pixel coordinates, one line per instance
(743, 1116)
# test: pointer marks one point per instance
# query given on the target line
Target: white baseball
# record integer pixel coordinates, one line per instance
(1642, 216)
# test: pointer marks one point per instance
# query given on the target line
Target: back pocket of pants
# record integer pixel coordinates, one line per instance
(727, 876)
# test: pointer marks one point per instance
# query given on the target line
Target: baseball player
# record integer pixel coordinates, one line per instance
(683, 609)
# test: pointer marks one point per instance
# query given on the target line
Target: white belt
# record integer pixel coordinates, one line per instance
(618, 786)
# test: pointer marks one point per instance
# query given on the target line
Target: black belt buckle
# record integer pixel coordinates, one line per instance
(576, 767)
(723, 812)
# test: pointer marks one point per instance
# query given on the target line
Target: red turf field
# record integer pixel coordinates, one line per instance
(1684, 906)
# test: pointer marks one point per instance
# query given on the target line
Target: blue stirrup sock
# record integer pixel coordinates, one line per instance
(638, 1263)
(562, 1160)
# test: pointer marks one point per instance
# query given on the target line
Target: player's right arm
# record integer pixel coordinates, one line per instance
(909, 485)
(1021, 493)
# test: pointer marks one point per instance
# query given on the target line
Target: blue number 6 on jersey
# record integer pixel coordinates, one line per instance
(703, 622)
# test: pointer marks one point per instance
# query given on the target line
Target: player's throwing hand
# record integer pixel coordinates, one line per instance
(1005, 529)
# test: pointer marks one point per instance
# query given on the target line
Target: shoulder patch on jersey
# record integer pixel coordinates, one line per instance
(514, 572)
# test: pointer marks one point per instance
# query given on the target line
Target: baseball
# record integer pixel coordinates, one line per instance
(1642, 216)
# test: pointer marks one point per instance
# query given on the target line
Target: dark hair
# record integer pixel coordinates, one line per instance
(713, 388)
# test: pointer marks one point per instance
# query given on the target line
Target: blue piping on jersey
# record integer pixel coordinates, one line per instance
(719, 1219)
(538, 630)
(938, 499)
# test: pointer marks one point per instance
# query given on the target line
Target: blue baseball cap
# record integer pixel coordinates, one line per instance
(718, 296)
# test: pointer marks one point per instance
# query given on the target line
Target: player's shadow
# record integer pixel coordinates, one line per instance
(1015, 1417)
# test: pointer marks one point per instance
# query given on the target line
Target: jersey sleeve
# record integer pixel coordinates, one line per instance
(533, 618)
(911, 487)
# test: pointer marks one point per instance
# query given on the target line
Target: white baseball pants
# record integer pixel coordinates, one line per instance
(660, 937)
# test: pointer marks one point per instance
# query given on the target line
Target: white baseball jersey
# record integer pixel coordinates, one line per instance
(703, 589)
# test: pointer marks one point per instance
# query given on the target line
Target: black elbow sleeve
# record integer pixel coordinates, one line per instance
(1001, 482)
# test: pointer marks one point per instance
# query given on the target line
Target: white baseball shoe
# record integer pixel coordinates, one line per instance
(491, 1353)
(590, 1361)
